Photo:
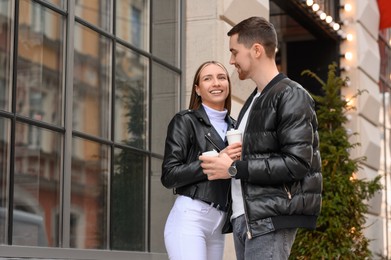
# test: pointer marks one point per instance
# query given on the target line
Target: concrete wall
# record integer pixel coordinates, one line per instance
(363, 23)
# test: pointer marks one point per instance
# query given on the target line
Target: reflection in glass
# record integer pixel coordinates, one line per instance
(165, 30)
(132, 22)
(165, 97)
(130, 97)
(36, 186)
(39, 63)
(162, 201)
(6, 22)
(96, 12)
(59, 3)
(88, 216)
(128, 201)
(92, 81)
(4, 171)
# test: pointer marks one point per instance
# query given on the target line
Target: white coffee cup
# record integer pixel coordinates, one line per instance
(211, 153)
(234, 136)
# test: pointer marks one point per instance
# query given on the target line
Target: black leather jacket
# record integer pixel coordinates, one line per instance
(189, 134)
(281, 171)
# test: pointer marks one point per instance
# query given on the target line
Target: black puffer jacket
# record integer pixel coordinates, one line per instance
(189, 134)
(281, 171)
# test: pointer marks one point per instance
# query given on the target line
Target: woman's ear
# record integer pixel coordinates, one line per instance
(197, 90)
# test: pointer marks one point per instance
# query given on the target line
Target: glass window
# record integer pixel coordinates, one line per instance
(128, 202)
(92, 84)
(4, 170)
(88, 216)
(131, 96)
(161, 201)
(96, 12)
(165, 30)
(59, 3)
(40, 64)
(6, 22)
(117, 142)
(132, 20)
(36, 186)
(165, 103)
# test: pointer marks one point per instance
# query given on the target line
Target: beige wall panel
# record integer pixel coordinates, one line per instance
(375, 202)
(375, 233)
(367, 14)
(201, 45)
(368, 53)
(369, 138)
(201, 10)
(368, 103)
(162, 200)
(239, 10)
(229, 248)
(370, 142)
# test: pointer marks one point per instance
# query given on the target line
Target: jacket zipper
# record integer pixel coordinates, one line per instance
(227, 196)
(249, 235)
(213, 143)
(288, 192)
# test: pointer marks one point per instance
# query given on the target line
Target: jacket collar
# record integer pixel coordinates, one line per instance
(201, 116)
(280, 76)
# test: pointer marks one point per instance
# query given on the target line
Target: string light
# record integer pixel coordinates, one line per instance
(342, 34)
(310, 2)
(329, 19)
(348, 55)
(322, 15)
(347, 7)
(336, 26)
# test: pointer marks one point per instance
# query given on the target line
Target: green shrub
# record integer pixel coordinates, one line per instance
(339, 232)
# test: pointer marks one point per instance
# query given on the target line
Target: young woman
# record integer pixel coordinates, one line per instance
(194, 226)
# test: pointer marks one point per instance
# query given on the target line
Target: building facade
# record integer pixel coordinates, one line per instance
(87, 88)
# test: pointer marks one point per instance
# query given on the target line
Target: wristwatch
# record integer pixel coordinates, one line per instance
(232, 170)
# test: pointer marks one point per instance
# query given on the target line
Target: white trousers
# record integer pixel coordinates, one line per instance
(193, 231)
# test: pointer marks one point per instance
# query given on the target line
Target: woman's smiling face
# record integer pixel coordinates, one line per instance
(213, 86)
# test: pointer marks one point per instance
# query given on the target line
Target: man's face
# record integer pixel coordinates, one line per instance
(240, 57)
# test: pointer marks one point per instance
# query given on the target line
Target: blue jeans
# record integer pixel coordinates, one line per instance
(275, 245)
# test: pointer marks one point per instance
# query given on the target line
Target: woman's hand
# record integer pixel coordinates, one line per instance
(234, 151)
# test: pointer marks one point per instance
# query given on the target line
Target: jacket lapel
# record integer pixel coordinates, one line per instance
(245, 106)
(210, 132)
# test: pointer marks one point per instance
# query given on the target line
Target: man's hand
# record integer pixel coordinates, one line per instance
(216, 167)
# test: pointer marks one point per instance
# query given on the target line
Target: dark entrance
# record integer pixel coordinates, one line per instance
(305, 41)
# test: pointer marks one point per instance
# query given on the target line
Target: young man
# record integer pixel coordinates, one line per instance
(277, 183)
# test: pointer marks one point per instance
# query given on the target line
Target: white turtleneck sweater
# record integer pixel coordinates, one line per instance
(217, 119)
